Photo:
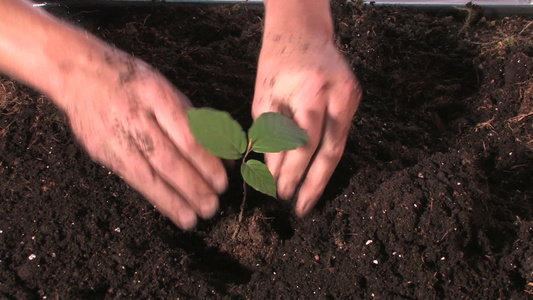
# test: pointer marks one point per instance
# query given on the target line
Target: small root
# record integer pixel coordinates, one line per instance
(474, 14)
(520, 117)
(484, 125)
(527, 26)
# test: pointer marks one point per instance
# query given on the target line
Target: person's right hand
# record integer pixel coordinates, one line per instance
(127, 116)
(132, 120)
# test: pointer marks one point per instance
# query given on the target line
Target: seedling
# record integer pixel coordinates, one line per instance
(221, 135)
(474, 15)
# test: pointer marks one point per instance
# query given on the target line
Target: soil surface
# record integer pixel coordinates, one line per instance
(432, 199)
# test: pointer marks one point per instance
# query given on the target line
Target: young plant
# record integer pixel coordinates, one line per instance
(221, 135)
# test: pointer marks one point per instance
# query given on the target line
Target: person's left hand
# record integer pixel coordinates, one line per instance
(309, 81)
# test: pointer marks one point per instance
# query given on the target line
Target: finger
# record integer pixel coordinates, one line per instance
(296, 161)
(175, 169)
(310, 117)
(273, 162)
(138, 173)
(321, 169)
(337, 125)
(175, 124)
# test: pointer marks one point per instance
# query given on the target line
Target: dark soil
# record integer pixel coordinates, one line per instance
(432, 200)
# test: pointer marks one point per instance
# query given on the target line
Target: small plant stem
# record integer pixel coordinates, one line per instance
(239, 220)
(527, 26)
(473, 12)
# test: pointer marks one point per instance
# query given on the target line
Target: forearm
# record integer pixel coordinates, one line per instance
(298, 17)
(41, 51)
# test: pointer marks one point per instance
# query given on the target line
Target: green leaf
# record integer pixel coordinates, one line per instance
(273, 132)
(257, 175)
(218, 132)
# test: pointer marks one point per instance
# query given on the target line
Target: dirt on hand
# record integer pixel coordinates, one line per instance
(432, 199)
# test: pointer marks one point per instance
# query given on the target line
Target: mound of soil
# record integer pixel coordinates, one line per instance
(432, 199)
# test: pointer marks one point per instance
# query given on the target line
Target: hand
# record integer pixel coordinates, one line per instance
(128, 117)
(306, 78)
(132, 120)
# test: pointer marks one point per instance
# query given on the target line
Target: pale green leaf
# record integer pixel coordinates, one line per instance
(257, 175)
(218, 132)
(273, 132)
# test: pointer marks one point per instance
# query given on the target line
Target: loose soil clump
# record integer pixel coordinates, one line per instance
(432, 199)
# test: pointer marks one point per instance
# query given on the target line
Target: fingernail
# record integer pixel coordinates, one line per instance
(221, 184)
(188, 219)
(288, 190)
(303, 209)
(208, 209)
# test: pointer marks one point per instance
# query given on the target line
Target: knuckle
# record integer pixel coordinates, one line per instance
(163, 160)
(333, 151)
(189, 145)
(347, 98)
(318, 77)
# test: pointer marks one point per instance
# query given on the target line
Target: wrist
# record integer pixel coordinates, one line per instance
(90, 62)
(43, 52)
(302, 18)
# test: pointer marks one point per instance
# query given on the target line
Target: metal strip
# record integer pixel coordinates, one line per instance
(493, 9)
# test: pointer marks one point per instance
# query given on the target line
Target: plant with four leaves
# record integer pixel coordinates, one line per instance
(221, 135)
